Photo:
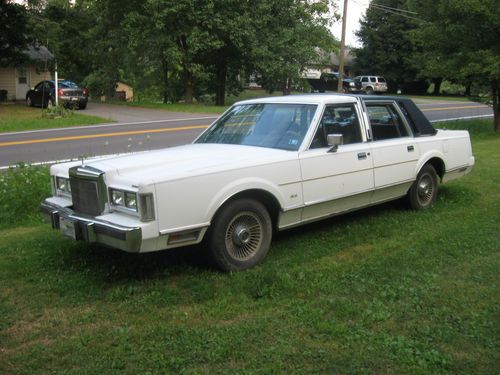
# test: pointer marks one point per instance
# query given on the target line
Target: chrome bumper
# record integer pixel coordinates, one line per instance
(92, 230)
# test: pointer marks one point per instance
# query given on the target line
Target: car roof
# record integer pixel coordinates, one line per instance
(303, 99)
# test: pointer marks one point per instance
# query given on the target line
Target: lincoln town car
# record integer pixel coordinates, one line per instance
(265, 165)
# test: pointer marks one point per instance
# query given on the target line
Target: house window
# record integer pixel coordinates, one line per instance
(22, 76)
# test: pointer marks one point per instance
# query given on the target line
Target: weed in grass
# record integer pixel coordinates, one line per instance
(22, 189)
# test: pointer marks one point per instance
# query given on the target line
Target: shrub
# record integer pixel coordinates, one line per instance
(22, 189)
(57, 111)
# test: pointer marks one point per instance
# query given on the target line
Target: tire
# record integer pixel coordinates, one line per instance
(29, 102)
(424, 191)
(240, 235)
(82, 106)
(369, 91)
(49, 104)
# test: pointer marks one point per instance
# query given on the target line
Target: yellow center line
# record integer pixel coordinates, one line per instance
(448, 108)
(90, 136)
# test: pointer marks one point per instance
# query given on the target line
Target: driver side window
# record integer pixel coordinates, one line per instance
(338, 119)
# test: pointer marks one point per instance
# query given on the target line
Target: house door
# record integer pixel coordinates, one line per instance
(22, 84)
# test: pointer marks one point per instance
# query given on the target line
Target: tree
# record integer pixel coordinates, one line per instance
(62, 26)
(387, 47)
(462, 39)
(293, 32)
(13, 33)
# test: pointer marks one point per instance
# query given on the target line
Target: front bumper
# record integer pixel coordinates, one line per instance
(92, 230)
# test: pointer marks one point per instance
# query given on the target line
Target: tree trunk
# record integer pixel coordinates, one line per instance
(187, 74)
(495, 93)
(437, 85)
(467, 89)
(188, 87)
(220, 76)
(286, 87)
(164, 71)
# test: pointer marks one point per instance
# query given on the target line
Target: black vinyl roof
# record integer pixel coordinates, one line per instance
(420, 125)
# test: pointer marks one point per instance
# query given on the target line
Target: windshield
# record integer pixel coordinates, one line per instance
(281, 126)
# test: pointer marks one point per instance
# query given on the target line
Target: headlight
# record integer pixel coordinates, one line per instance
(63, 186)
(131, 201)
(123, 198)
(117, 197)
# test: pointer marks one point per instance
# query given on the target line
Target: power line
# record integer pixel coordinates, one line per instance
(396, 9)
(397, 13)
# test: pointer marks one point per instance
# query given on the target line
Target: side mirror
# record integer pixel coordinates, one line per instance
(334, 141)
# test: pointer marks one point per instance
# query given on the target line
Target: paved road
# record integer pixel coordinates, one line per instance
(146, 129)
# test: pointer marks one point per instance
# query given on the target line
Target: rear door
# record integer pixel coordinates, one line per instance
(394, 151)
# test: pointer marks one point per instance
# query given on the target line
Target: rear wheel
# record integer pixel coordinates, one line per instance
(82, 106)
(240, 235)
(424, 191)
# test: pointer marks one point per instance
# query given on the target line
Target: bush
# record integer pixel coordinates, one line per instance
(3, 95)
(57, 111)
(22, 189)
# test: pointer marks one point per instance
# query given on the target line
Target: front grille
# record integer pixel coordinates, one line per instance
(85, 196)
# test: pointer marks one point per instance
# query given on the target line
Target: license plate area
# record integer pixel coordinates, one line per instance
(67, 227)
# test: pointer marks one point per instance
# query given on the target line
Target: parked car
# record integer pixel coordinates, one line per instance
(371, 84)
(69, 94)
(329, 82)
(266, 164)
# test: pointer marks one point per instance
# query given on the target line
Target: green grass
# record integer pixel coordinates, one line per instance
(383, 290)
(15, 117)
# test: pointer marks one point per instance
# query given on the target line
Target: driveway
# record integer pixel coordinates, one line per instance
(122, 113)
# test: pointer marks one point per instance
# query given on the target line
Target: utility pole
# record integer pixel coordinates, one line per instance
(56, 84)
(342, 49)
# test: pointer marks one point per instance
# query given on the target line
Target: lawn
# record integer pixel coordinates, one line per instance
(15, 117)
(384, 290)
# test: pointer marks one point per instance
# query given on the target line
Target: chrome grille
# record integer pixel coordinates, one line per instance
(85, 196)
(88, 190)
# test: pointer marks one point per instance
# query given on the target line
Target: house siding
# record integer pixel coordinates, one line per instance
(8, 81)
(8, 78)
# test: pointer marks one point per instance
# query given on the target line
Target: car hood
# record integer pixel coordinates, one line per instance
(185, 161)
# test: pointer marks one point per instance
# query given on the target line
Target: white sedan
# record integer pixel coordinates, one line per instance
(267, 164)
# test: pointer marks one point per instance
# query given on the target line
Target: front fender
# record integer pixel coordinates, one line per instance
(240, 186)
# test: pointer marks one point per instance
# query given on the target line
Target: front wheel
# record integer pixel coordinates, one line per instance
(240, 236)
(369, 91)
(29, 102)
(424, 191)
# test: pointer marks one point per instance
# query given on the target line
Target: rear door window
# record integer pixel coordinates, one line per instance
(385, 122)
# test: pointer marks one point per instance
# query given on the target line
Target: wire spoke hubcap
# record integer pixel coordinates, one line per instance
(425, 189)
(244, 235)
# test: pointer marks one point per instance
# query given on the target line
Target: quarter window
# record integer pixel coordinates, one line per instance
(385, 122)
(338, 119)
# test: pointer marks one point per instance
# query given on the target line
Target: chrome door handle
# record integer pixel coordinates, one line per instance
(361, 155)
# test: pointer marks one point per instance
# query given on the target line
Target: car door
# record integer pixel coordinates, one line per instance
(394, 152)
(42, 93)
(36, 94)
(340, 180)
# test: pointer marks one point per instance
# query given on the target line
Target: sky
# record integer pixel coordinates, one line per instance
(355, 11)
